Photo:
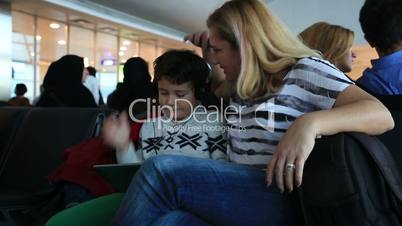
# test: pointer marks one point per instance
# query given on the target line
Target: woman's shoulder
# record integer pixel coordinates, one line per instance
(313, 66)
(318, 63)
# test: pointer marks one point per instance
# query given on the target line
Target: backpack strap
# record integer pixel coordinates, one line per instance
(383, 160)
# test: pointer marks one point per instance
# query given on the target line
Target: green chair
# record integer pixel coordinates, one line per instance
(96, 212)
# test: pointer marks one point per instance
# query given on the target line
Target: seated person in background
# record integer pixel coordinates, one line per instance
(183, 128)
(63, 85)
(333, 41)
(381, 22)
(19, 99)
(90, 81)
(136, 85)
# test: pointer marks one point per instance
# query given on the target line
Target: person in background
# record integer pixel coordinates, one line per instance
(268, 71)
(63, 85)
(381, 22)
(334, 42)
(19, 99)
(136, 84)
(92, 83)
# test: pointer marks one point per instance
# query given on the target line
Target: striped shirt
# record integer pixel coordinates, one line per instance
(311, 85)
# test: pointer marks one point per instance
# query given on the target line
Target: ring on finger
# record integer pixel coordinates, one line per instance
(291, 166)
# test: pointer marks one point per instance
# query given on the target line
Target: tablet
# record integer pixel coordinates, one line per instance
(118, 175)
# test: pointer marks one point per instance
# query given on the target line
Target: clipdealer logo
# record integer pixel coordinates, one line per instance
(264, 114)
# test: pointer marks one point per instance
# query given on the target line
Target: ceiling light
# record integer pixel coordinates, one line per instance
(121, 53)
(107, 29)
(126, 42)
(32, 54)
(123, 48)
(123, 61)
(133, 35)
(61, 42)
(80, 21)
(38, 37)
(54, 26)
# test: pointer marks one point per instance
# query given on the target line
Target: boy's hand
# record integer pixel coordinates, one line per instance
(116, 131)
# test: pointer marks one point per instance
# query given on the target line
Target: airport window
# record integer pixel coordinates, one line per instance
(53, 43)
(127, 48)
(147, 51)
(38, 41)
(23, 53)
(106, 62)
(82, 43)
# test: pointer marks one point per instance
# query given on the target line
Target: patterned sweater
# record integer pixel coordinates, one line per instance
(197, 137)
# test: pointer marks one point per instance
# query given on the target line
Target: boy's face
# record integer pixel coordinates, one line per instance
(180, 98)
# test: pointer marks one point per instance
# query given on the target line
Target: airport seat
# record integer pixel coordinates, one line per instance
(35, 150)
(10, 119)
(4, 103)
(392, 138)
(392, 102)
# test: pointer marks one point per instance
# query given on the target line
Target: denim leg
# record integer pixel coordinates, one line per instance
(179, 217)
(217, 192)
(75, 194)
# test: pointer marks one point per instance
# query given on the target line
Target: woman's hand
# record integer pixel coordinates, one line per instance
(116, 131)
(287, 164)
(200, 39)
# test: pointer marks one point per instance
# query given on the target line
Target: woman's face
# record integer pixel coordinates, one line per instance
(224, 55)
(344, 63)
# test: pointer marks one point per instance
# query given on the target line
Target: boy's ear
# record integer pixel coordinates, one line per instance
(369, 42)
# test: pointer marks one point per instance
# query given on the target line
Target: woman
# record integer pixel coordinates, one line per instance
(271, 71)
(63, 85)
(333, 41)
(136, 84)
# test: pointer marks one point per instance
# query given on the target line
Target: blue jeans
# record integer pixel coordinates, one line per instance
(183, 191)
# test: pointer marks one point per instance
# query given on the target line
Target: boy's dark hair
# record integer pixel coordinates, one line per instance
(180, 66)
(20, 89)
(91, 71)
(381, 22)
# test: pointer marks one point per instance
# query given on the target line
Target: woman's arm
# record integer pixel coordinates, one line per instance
(354, 111)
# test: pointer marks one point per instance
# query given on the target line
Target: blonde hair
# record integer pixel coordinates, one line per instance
(333, 41)
(265, 44)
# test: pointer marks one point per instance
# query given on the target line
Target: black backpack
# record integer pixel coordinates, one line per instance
(350, 179)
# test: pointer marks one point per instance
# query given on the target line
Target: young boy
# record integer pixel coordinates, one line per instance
(381, 22)
(183, 128)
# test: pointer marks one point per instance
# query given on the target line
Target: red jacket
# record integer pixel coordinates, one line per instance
(79, 160)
